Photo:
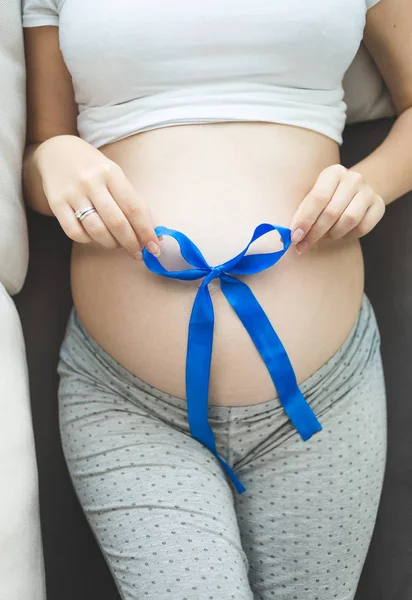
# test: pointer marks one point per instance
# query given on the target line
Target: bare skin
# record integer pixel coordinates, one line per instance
(215, 182)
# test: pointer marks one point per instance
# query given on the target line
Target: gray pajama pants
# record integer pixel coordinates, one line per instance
(168, 520)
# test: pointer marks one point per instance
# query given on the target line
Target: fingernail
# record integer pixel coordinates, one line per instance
(153, 248)
(302, 247)
(160, 238)
(139, 255)
(297, 235)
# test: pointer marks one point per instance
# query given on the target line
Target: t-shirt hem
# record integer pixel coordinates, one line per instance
(106, 124)
(34, 21)
(98, 141)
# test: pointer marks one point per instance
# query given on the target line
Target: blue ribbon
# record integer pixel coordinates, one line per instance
(255, 321)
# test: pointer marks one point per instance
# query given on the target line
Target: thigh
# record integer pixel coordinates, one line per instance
(307, 516)
(158, 502)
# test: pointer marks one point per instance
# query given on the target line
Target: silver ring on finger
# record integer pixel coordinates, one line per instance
(82, 213)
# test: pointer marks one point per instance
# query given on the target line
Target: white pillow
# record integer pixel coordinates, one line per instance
(21, 564)
(366, 95)
(13, 234)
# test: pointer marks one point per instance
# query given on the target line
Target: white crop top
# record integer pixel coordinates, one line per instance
(139, 65)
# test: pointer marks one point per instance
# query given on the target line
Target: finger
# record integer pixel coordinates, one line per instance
(351, 217)
(70, 225)
(372, 217)
(135, 209)
(343, 196)
(116, 221)
(94, 226)
(315, 201)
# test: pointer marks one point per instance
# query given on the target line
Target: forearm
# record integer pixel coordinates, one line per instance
(33, 192)
(388, 170)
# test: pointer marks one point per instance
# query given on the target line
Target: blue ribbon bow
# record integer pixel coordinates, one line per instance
(255, 321)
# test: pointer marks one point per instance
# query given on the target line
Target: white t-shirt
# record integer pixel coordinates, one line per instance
(139, 65)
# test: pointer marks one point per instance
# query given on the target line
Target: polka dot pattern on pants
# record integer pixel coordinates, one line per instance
(167, 518)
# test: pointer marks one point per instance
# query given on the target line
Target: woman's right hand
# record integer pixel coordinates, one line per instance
(75, 175)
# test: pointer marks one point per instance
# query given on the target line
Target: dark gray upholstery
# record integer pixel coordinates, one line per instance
(74, 566)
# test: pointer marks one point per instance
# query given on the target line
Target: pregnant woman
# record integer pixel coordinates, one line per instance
(210, 119)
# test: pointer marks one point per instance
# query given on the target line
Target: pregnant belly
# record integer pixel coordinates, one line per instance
(216, 183)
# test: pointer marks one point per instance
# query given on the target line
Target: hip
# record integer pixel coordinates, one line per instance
(89, 375)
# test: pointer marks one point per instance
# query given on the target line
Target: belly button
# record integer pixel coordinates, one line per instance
(214, 286)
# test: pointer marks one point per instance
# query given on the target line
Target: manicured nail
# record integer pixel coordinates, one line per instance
(139, 255)
(297, 235)
(302, 247)
(153, 248)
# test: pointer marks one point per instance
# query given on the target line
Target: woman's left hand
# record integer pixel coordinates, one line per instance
(340, 204)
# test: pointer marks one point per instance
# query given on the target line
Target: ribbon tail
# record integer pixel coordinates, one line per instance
(198, 361)
(273, 353)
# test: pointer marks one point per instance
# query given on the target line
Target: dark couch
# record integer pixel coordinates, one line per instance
(75, 569)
